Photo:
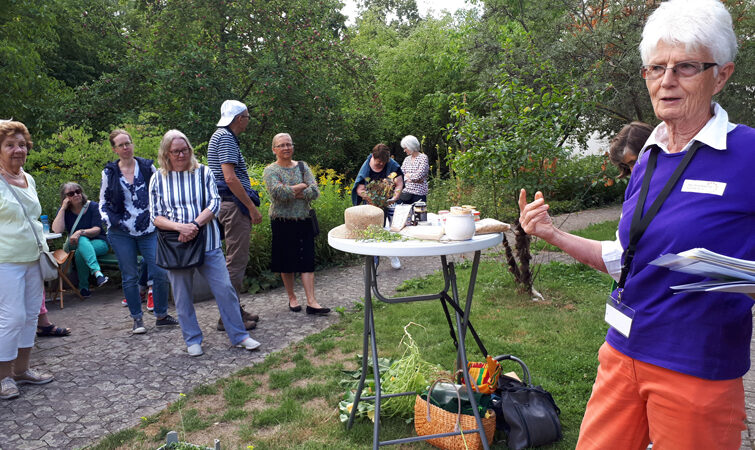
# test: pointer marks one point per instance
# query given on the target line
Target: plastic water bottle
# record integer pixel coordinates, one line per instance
(45, 224)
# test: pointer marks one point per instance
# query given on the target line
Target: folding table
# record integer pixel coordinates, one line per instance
(408, 249)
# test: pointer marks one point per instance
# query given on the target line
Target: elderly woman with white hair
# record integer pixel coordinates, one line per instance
(671, 368)
(416, 169)
(183, 198)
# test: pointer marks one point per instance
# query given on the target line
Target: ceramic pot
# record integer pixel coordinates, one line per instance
(459, 227)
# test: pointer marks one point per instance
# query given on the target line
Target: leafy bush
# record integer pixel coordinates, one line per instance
(73, 154)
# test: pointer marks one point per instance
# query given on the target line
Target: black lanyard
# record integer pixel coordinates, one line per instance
(639, 222)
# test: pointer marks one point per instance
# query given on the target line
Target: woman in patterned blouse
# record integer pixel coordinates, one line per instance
(292, 187)
(416, 170)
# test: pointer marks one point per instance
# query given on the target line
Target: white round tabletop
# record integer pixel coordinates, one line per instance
(415, 247)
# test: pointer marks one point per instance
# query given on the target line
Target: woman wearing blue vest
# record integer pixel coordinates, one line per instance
(670, 371)
(124, 207)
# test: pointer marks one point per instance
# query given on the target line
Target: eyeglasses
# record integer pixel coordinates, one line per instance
(287, 145)
(72, 193)
(179, 151)
(684, 69)
(245, 116)
(124, 144)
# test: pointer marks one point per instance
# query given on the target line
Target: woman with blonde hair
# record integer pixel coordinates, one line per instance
(183, 198)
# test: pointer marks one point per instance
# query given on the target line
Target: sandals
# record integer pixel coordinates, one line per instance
(53, 331)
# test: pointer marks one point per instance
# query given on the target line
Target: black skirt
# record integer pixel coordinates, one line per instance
(293, 246)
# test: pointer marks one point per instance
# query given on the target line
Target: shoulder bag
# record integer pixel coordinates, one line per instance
(47, 263)
(67, 244)
(312, 213)
(172, 254)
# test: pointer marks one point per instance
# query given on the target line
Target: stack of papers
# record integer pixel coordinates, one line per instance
(729, 274)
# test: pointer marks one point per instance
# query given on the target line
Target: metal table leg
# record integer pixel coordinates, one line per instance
(369, 344)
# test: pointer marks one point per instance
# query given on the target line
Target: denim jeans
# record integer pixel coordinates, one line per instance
(125, 247)
(215, 272)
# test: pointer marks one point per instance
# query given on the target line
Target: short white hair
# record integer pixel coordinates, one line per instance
(410, 142)
(693, 23)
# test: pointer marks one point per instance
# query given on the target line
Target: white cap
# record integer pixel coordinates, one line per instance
(229, 110)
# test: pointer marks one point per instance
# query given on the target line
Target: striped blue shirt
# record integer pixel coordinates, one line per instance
(224, 149)
(177, 196)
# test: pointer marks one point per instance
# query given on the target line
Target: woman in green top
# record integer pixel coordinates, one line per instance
(292, 186)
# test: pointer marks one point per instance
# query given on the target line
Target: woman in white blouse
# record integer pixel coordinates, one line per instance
(183, 197)
(416, 170)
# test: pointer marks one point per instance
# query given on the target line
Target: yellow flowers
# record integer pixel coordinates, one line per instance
(254, 182)
(392, 175)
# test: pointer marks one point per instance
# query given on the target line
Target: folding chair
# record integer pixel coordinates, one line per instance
(64, 265)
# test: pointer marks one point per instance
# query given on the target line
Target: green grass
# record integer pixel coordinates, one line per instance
(604, 231)
(290, 401)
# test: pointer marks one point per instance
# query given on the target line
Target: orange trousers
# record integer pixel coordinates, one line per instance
(634, 403)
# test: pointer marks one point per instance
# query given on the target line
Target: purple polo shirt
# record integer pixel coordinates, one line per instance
(704, 334)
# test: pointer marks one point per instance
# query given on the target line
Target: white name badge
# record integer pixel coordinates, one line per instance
(704, 187)
(619, 316)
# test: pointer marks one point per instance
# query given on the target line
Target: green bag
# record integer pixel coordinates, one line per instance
(444, 396)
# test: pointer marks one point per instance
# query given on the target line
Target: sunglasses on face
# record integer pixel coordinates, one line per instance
(72, 193)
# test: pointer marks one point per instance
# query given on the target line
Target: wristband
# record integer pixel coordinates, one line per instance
(194, 222)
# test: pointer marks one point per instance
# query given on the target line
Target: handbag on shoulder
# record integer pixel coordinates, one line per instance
(173, 254)
(48, 265)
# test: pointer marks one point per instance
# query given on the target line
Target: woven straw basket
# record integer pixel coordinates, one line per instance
(431, 419)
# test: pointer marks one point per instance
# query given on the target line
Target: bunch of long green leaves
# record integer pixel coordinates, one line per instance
(410, 373)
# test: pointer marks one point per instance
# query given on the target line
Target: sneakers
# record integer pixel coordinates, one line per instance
(150, 301)
(33, 376)
(195, 350)
(395, 262)
(124, 302)
(249, 344)
(86, 293)
(138, 327)
(8, 389)
(101, 279)
(166, 321)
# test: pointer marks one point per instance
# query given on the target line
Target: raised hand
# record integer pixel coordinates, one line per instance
(534, 217)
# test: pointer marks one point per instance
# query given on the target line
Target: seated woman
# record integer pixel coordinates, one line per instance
(80, 218)
(183, 197)
(377, 166)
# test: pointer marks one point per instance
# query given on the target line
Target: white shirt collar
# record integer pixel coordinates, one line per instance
(712, 134)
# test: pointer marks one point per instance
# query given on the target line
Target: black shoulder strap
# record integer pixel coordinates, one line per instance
(639, 222)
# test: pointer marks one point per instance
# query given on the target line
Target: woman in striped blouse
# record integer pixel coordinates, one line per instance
(183, 197)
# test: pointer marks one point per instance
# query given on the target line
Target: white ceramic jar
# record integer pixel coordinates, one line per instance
(459, 227)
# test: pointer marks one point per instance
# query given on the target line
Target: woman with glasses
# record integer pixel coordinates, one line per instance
(416, 168)
(80, 218)
(124, 207)
(183, 197)
(292, 187)
(671, 368)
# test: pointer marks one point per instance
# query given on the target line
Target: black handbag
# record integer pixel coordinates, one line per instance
(526, 413)
(173, 254)
(312, 213)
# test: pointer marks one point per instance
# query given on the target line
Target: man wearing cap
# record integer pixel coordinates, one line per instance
(237, 210)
